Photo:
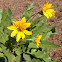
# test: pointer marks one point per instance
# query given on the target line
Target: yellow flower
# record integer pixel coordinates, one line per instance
(37, 40)
(47, 10)
(19, 28)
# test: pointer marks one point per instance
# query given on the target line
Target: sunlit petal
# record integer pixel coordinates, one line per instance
(54, 13)
(27, 32)
(50, 6)
(13, 33)
(16, 23)
(47, 10)
(17, 20)
(23, 20)
(18, 36)
(23, 35)
(46, 15)
(37, 40)
(12, 27)
(26, 25)
(49, 14)
(50, 10)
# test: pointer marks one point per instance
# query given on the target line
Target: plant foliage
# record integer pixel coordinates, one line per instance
(25, 50)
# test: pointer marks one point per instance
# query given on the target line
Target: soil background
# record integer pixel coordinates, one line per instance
(18, 6)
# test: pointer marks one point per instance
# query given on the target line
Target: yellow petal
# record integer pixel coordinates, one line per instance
(23, 35)
(17, 20)
(54, 13)
(49, 6)
(16, 23)
(13, 33)
(23, 20)
(12, 27)
(18, 36)
(50, 10)
(47, 10)
(37, 40)
(49, 14)
(40, 36)
(46, 3)
(26, 25)
(27, 32)
(46, 15)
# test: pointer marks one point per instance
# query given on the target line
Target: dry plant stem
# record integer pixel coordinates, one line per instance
(28, 39)
(33, 15)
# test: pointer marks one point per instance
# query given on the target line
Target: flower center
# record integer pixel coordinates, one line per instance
(19, 29)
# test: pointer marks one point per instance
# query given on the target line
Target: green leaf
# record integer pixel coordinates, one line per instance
(3, 47)
(4, 14)
(2, 58)
(10, 56)
(3, 36)
(27, 57)
(36, 60)
(28, 21)
(5, 21)
(54, 61)
(0, 15)
(30, 7)
(46, 36)
(18, 58)
(39, 27)
(36, 27)
(48, 45)
(0, 49)
(18, 51)
(23, 48)
(27, 12)
(37, 21)
(9, 12)
(0, 10)
(32, 45)
(41, 30)
(13, 20)
(42, 55)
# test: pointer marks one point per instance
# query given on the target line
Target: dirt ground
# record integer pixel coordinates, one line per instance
(18, 6)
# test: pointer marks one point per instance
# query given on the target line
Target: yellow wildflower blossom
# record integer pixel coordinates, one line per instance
(37, 40)
(19, 28)
(47, 10)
